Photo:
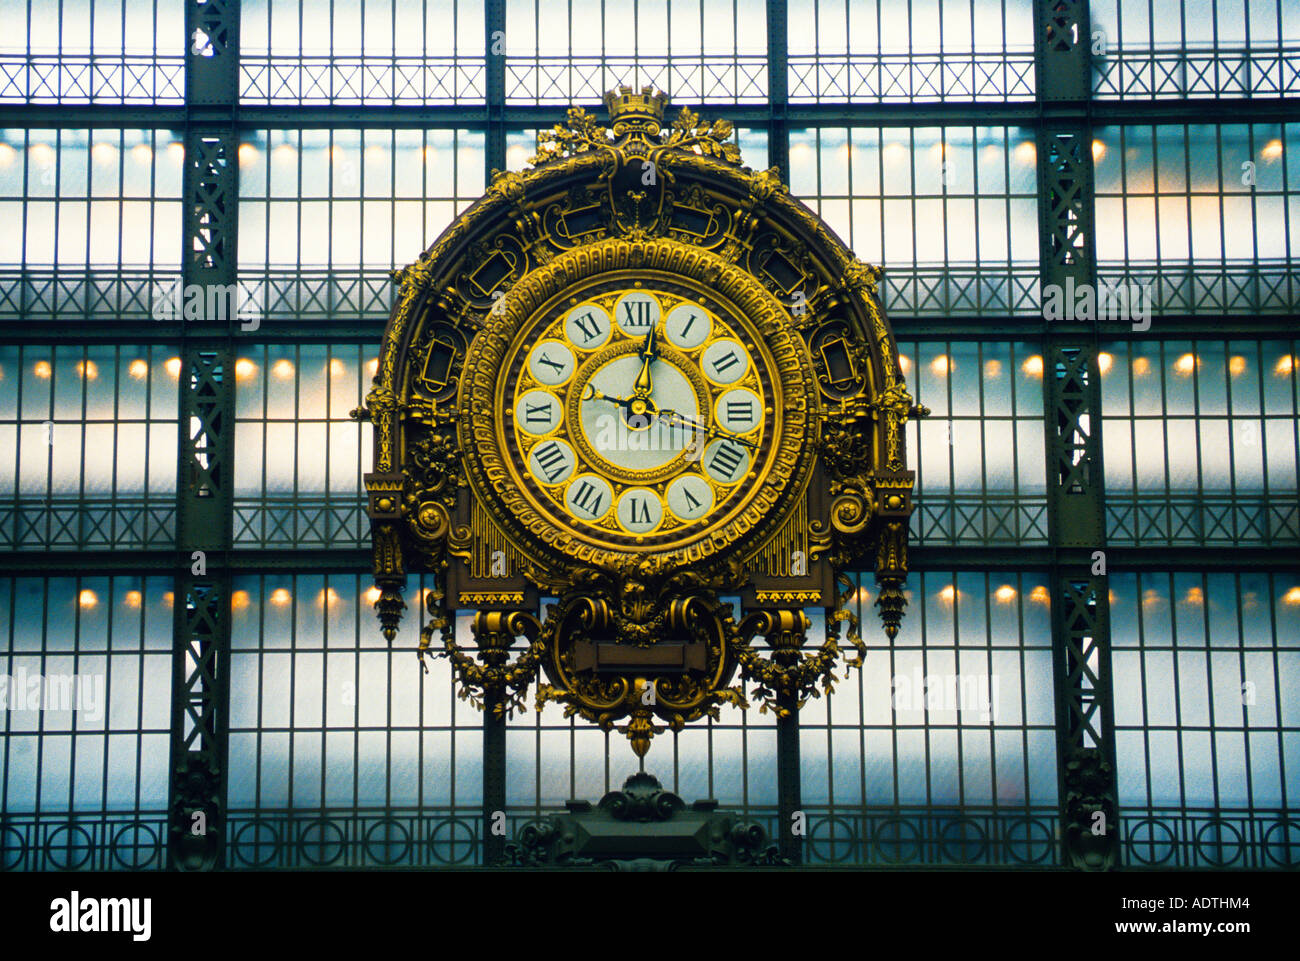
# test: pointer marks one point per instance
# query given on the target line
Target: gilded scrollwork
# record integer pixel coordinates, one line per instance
(786, 680)
(493, 681)
(677, 623)
(579, 133)
(848, 437)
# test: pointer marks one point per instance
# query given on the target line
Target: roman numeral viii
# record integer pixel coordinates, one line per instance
(550, 457)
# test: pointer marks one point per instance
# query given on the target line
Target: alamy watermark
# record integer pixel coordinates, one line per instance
(206, 302)
(1125, 302)
(613, 433)
(75, 914)
(24, 691)
(965, 693)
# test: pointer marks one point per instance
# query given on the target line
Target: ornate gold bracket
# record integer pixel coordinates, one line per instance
(790, 675)
(639, 644)
(389, 565)
(493, 683)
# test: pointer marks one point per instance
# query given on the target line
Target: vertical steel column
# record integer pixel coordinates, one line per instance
(494, 720)
(495, 82)
(778, 88)
(1072, 403)
(201, 631)
(493, 636)
(788, 788)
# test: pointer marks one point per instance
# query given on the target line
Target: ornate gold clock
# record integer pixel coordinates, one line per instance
(633, 381)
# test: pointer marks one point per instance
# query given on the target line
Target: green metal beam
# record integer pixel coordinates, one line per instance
(494, 719)
(778, 88)
(251, 117)
(494, 114)
(1085, 738)
(352, 560)
(206, 432)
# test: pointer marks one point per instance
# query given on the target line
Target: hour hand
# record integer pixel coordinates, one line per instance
(644, 382)
(591, 393)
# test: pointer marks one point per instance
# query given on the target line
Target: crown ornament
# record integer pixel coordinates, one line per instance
(630, 110)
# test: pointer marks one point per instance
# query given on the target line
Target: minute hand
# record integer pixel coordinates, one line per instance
(685, 421)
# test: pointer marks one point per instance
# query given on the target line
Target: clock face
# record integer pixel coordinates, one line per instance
(637, 411)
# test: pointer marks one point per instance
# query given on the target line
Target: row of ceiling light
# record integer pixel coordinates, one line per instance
(949, 594)
(1184, 366)
(245, 369)
(103, 152)
(941, 365)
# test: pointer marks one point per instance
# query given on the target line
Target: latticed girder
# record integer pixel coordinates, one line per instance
(200, 707)
(204, 504)
(1081, 669)
(1072, 403)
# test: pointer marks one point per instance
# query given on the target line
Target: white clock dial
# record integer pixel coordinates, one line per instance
(636, 313)
(634, 438)
(689, 497)
(587, 326)
(639, 510)
(551, 462)
(687, 326)
(638, 442)
(551, 362)
(724, 361)
(538, 412)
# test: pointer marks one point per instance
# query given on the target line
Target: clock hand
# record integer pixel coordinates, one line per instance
(682, 419)
(644, 383)
(652, 343)
(637, 411)
(591, 393)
